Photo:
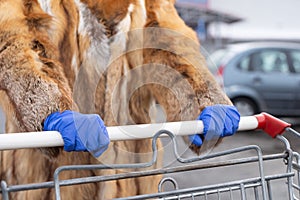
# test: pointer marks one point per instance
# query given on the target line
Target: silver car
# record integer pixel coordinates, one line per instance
(260, 76)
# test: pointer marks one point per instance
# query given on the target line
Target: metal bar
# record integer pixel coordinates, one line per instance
(297, 156)
(289, 163)
(50, 184)
(255, 188)
(153, 172)
(205, 190)
(293, 131)
(221, 190)
(243, 192)
(167, 179)
(32, 186)
(154, 149)
(231, 193)
(269, 190)
(4, 190)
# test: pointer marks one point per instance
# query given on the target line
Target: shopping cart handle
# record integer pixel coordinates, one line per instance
(264, 121)
(271, 125)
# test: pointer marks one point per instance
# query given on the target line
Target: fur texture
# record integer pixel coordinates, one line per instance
(115, 58)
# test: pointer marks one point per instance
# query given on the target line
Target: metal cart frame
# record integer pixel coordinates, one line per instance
(260, 186)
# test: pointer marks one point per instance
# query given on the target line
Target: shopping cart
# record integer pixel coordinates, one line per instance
(260, 186)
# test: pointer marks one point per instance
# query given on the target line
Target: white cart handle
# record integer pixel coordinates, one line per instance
(132, 132)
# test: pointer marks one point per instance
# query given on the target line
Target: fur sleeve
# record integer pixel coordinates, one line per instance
(29, 73)
(172, 53)
(184, 86)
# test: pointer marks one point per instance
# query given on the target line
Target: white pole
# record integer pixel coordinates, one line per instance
(248, 123)
(129, 132)
(30, 140)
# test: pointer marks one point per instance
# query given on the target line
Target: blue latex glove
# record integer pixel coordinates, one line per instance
(80, 132)
(218, 121)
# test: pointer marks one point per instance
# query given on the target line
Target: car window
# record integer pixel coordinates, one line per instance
(295, 55)
(274, 61)
(215, 59)
(244, 63)
(265, 61)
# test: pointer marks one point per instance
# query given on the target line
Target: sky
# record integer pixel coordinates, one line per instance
(262, 18)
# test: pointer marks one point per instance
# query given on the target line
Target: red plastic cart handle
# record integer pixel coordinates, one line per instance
(270, 124)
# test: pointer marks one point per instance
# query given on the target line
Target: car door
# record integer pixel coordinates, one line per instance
(294, 56)
(272, 78)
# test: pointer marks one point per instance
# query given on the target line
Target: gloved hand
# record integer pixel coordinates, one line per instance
(219, 121)
(80, 132)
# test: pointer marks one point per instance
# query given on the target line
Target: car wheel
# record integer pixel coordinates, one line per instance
(246, 107)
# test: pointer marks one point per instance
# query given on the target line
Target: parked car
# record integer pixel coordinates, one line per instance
(260, 76)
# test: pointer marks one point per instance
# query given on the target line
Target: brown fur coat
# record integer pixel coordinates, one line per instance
(115, 58)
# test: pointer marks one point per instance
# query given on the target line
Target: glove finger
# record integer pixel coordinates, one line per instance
(96, 140)
(68, 129)
(79, 146)
(196, 140)
(50, 123)
(59, 122)
(69, 144)
(231, 123)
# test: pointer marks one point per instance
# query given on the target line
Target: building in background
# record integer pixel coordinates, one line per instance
(263, 20)
(219, 22)
(198, 15)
